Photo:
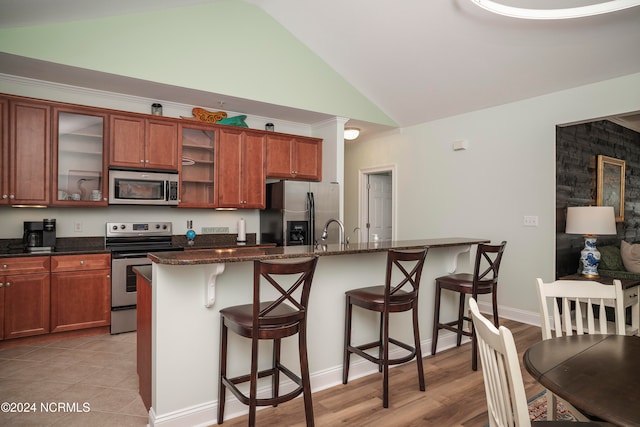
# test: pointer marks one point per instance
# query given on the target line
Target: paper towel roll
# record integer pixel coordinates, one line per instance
(242, 232)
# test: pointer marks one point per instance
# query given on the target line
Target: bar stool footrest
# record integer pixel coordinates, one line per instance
(453, 327)
(231, 383)
(360, 351)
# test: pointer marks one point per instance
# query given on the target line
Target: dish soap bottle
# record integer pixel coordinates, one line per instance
(191, 235)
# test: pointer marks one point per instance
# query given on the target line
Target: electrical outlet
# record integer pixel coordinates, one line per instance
(77, 226)
(530, 221)
(215, 230)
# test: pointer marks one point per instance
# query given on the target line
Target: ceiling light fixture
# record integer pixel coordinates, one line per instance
(351, 133)
(567, 13)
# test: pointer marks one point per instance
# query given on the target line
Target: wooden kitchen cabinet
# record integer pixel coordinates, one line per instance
(79, 163)
(197, 168)
(27, 154)
(1, 307)
(138, 142)
(80, 291)
(143, 330)
(4, 152)
(25, 287)
(240, 159)
(294, 157)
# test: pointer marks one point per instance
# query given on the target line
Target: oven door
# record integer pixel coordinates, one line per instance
(123, 279)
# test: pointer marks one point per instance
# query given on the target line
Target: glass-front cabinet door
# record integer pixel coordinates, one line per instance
(79, 174)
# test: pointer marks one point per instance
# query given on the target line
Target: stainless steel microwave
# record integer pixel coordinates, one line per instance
(143, 188)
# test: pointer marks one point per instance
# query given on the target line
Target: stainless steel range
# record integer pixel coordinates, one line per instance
(129, 243)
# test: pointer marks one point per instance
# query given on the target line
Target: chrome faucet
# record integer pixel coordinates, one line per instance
(325, 233)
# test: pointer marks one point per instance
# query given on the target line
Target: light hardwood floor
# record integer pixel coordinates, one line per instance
(454, 396)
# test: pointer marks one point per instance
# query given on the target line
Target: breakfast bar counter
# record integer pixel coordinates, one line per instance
(246, 253)
(188, 289)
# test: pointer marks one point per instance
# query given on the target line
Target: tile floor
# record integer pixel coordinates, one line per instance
(89, 381)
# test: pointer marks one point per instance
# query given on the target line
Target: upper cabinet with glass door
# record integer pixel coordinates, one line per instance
(80, 170)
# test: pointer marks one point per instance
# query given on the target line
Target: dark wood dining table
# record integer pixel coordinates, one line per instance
(598, 374)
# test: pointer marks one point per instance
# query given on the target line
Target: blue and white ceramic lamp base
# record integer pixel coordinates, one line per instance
(590, 258)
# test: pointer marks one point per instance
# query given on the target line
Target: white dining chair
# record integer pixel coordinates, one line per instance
(573, 306)
(503, 384)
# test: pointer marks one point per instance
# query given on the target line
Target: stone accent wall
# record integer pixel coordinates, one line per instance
(577, 150)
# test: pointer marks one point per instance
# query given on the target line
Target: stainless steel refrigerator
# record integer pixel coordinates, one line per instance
(297, 211)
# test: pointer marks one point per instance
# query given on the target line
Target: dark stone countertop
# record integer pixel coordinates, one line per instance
(206, 241)
(64, 246)
(241, 254)
(96, 245)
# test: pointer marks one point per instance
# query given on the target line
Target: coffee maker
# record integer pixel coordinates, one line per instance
(39, 236)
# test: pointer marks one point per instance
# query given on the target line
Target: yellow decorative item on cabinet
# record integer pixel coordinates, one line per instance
(207, 116)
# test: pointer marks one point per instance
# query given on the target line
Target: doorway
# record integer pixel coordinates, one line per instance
(377, 204)
(577, 147)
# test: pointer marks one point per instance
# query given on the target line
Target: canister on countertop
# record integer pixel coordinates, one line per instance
(242, 232)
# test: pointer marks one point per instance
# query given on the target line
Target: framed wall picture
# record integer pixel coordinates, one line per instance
(610, 191)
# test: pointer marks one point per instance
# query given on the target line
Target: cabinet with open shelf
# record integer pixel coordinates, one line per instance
(197, 177)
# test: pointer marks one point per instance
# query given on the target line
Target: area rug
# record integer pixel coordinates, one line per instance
(538, 409)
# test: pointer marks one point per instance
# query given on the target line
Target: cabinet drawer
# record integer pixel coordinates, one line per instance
(24, 265)
(80, 262)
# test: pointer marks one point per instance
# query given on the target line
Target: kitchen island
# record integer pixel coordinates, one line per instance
(189, 288)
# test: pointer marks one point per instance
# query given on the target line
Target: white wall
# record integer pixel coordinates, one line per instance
(507, 172)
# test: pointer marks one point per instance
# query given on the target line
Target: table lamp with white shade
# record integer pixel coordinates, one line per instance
(590, 221)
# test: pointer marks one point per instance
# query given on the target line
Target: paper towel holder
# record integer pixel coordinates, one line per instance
(242, 234)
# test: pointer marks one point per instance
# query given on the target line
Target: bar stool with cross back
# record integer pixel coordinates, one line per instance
(398, 294)
(282, 317)
(484, 280)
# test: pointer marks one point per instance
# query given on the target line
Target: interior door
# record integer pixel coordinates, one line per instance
(380, 206)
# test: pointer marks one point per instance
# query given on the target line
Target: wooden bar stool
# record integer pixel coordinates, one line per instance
(484, 280)
(270, 320)
(398, 294)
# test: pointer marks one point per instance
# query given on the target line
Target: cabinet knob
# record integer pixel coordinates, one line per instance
(5, 266)
(146, 161)
(7, 284)
(5, 196)
(141, 160)
(11, 196)
(81, 262)
(1, 284)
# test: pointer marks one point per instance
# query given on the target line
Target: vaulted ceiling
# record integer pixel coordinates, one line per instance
(419, 60)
